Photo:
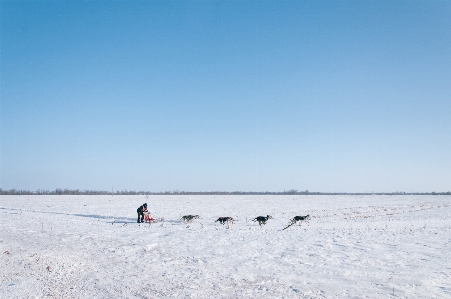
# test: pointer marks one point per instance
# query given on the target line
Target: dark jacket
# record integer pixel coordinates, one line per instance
(141, 209)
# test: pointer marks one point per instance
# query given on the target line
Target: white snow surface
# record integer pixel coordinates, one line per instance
(352, 247)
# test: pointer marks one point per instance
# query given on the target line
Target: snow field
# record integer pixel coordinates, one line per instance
(353, 247)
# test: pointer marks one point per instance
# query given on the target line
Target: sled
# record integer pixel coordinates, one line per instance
(148, 218)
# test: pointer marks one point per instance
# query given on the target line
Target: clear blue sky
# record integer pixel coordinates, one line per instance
(226, 95)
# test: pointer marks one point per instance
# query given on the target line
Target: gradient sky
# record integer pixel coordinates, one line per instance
(226, 95)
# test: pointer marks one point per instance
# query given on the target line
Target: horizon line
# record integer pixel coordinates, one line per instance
(66, 191)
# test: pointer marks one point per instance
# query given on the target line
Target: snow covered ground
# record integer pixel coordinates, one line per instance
(353, 247)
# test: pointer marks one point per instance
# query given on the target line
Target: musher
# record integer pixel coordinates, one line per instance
(141, 211)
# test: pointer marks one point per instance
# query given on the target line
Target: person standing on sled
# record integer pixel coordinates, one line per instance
(141, 211)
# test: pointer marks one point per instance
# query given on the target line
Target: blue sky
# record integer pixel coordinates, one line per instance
(226, 95)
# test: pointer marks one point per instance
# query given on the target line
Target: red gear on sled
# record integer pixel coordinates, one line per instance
(148, 218)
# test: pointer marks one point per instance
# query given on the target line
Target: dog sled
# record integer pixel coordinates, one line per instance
(148, 218)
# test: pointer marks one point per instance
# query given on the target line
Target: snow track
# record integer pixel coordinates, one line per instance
(353, 247)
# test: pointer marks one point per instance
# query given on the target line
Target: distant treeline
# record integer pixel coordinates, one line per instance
(59, 191)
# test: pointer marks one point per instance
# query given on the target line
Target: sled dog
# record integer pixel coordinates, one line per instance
(224, 220)
(262, 219)
(300, 218)
(189, 218)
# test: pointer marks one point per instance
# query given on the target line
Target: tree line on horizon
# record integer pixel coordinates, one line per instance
(59, 191)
